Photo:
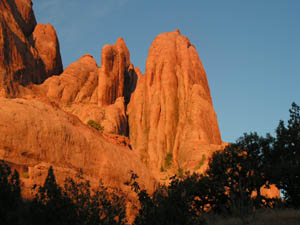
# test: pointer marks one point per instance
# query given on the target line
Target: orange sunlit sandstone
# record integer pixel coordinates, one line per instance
(44, 111)
(25, 57)
(171, 110)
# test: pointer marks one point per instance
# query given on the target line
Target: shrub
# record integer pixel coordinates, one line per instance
(201, 162)
(168, 160)
(25, 175)
(69, 105)
(180, 173)
(95, 125)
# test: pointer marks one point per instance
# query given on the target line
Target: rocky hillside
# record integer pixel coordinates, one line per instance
(155, 124)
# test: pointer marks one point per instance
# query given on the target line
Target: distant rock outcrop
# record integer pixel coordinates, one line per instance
(171, 111)
(20, 62)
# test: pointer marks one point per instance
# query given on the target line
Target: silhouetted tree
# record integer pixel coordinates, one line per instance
(174, 204)
(240, 168)
(10, 195)
(98, 206)
(77, 203)
(286, 158)
(50, 206)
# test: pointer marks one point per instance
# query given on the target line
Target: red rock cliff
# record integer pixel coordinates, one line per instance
(20, 60)
(171, 110)
(167, 112)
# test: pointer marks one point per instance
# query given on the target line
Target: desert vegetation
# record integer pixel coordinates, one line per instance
(95, 125)
(222, 195)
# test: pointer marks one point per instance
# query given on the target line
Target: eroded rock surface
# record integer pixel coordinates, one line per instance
(171, 110)
(172, 124)
(76, 91)
(78, 83)
(36, 131)
(20, 62)
(47, 46)
(117, 77)
(23, 14)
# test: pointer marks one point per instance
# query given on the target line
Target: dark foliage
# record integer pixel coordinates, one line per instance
(286, 158)
(77, 203)
(172, 205)
(10, 194)
(241, 169)
(50, 206)
(99, 206)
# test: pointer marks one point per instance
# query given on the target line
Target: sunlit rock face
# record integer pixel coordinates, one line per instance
(46, 43)
(36, 132)
(171, 110)
(96, 93)
(161, 121)
(117, 77)
(26, 50)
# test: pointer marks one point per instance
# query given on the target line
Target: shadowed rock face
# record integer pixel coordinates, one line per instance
(23, 14)
(171, 109)
(20, 62)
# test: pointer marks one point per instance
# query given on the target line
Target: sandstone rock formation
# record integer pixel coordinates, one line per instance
(20, 62)
(23, 14)
(36, 131)
(95, 93)
(163, 120)
(171, 110)
(47, 46)
(76, 90)
(117, 77)
(78, 83)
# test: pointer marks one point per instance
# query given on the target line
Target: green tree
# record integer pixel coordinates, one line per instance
(286, 158)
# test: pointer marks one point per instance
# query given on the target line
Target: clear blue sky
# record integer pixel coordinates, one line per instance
(250, 49)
